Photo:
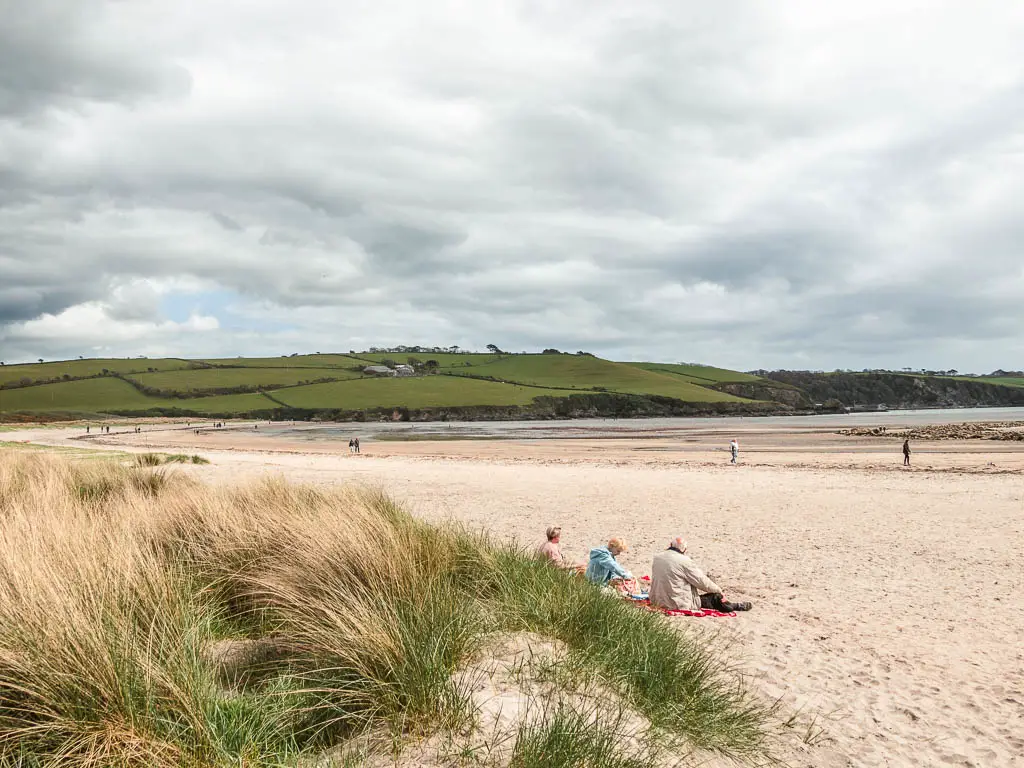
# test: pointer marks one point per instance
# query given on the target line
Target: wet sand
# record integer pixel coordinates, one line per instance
(886, 600)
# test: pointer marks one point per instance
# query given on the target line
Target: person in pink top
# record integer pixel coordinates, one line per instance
(551, 552)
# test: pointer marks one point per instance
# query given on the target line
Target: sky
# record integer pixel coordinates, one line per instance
(794, 184)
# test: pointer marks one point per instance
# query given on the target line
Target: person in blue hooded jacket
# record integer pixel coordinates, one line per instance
(603, 566)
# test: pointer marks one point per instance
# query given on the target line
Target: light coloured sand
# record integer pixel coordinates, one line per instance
(887, 602)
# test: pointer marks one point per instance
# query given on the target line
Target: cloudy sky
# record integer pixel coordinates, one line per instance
(750, 184)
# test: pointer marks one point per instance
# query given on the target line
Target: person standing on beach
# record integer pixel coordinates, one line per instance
(734, 449)
(357, 445)
(906, 452)
(351, 445)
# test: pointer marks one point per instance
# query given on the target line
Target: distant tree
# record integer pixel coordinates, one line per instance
(415, 362)
(388, 362)
(493, 348)
(431, 366)
(551, 351)
(40, 359)
(81, 358)
(294, 354)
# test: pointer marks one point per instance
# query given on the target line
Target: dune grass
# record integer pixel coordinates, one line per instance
(124, 591)
(157, 459)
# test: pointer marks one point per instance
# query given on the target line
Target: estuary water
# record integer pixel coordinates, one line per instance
(610, 428)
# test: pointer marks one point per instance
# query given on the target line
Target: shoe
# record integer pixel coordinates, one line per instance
(742, 606)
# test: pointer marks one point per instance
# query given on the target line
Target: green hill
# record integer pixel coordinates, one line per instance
(443, 359)
(593, 373)
(213, 380)
(413, 392)
(296, 361)
(699, 374)
(334, 385)
(78, 369)
(110, 395)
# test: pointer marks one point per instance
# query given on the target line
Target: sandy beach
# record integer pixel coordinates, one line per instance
(886, 600)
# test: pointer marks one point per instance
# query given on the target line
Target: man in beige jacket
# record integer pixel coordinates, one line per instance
(678, 584)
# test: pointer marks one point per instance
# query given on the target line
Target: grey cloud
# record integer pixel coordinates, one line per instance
(658, 182)
(226, 221)
(53, 52)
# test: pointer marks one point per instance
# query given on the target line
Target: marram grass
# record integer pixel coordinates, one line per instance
(149, 620)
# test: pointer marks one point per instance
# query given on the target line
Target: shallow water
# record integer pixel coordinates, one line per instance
(609, 428)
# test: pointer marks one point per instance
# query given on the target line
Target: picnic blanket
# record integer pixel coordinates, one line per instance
(636, 590)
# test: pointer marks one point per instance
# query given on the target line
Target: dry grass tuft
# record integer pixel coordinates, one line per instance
(147, 619)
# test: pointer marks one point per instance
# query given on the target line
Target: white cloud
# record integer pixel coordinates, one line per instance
(752, 185)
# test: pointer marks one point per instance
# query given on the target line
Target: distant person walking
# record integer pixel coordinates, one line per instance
(734, 449)
(906, 452)
(357, 445)
(351, 445)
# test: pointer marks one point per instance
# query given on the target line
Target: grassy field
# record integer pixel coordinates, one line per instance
(149, 620)
(108, 394)
(299, 361)
(585, 372)
(90, 395)
(220, 378)
(79, 368)
(699, 374)
(284, 378)
(419, 392)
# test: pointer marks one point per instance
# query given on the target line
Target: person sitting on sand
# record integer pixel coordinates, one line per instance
(551, 552)
(603, 566)
(678, 584)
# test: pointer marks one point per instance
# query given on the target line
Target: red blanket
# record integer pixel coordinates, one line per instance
(704, 612)
(636, 590)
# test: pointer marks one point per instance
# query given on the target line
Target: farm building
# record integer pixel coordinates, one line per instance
(378, 370)
(404, 370)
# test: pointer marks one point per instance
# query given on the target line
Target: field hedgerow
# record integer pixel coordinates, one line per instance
(147, 619)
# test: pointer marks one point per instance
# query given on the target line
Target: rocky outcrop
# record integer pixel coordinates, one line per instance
(988, 430)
